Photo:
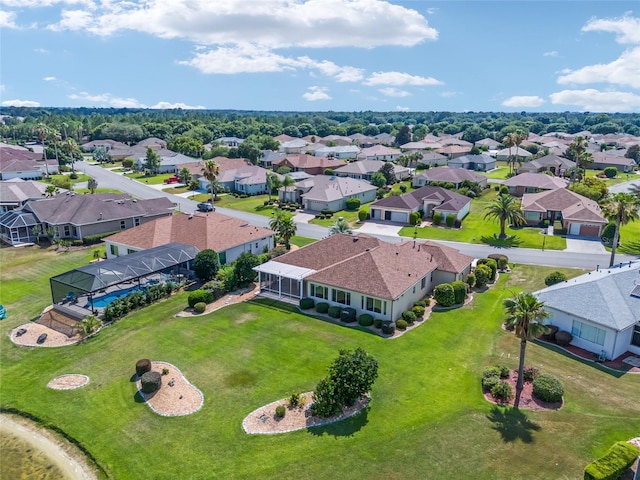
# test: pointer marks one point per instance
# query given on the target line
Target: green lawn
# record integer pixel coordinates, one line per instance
(498, 173)
(151, 180)
(82, 177)
(620, 178)
(630, 238)
(427, 417)
(476, 229)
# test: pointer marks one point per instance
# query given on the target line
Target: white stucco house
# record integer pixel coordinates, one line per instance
(601, 309)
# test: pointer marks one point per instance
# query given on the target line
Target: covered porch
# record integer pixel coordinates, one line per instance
(282, 280)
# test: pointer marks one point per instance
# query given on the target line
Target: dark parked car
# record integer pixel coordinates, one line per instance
(205, 207)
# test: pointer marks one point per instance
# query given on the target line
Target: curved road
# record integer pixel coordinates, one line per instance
(109, 179)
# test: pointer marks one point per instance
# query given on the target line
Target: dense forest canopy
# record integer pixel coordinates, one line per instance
(132, 125)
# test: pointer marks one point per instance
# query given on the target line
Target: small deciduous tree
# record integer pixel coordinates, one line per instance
(206, 264)
(92, 185)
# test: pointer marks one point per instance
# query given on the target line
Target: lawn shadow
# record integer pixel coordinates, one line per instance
(512, 424)
(630, 248)
(343, 428)
(509, 242)
(139, 398)
(134, 378)
(274, 305)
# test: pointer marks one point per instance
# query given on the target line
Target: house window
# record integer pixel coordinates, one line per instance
(114, 250)
(340, 296)
(67, 231)
(374, 305)
(123, 224)
(635, 339)
(423, 283)
(319, 291)
(588, 332)
(130, 250)
(136, 222)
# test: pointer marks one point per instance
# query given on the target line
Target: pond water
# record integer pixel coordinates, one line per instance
(20, 459)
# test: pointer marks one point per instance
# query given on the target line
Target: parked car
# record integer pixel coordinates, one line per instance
(173, 179)
(205, 207)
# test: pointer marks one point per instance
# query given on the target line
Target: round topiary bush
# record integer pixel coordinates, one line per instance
(547, 388)
(563, 338)
(502, 391)
(334, 311)
(348, 315)
(401, 324)
(489, 382)
(150, 382)
(365, 320)
(459, 291)
(143, 366)
(281, 411)
(377, 323)
(490, 372)
(388, 328)
(409, 317)
(200, 307)
(418, 311)
(444, 295)
(322, 307)
(554, 277)
(483, 275)
(307, 303)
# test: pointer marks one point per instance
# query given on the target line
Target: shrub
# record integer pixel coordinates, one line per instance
(150, 381)
(362, 214)
(334, 311)
(610, 172)
(165, 371)
(470, 280)
(501, 260)
(418, 311)
(489, 382)
(322, 307)
(444, 295)
(491, 372)
(325, 400)
(437, 218)
(200, 307)
(504, 371)
(530, 373)
(459, 291)
(421, 303)
(353, 374)
(388, 328)
(348, 315)
(143, 366)
(563, 338)
(457, 223)
(483, 274)
(377, 322)
(198, 296)
(554, 277)
(547, 388)
(281, 411)
(502, 391)
(550, 336)
(415, 218)
(608, 233)
(504, 190)
(296, 400)
(408, 316)
(366, 320)
(449, 220)
(352, 204)
(612, 465)
(492, 264)
(503, 263)
(401, 324)
(307, 303)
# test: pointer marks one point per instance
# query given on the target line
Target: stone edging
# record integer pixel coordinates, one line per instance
(86, 381)
(185, 380)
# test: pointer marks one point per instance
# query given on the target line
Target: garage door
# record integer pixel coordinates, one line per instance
(589, 230)
(574, 229)
(401, 217)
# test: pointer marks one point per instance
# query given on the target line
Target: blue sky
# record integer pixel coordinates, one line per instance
(320, 55)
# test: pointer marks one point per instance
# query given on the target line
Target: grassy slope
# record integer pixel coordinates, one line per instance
(427, 418)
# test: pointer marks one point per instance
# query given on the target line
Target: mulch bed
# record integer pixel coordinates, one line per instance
(527, 400)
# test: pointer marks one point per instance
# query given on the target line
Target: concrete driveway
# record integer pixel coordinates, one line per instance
(584, 245)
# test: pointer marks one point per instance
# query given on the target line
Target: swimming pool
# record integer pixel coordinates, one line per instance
(104, 300)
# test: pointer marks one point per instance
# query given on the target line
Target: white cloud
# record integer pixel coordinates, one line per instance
(41, 50)
(316, 93)
(107, 99)
(169, 105)
(45, 3)
(627, 28)
(593, 100)
(552, 53)
(520, 101)
(49, 79)
(394, 92)
(402, 109)
(341, 74)
(625, 70)
(450, 94)
(399, 79)
(20, 103)
(2, 87)
(271, 23)
(7, 19)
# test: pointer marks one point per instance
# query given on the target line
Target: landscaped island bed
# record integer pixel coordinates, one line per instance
(427, 417)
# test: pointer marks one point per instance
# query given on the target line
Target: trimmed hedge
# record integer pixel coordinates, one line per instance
(418, 311)
(307, 303)
(563, 338)
(401, 324)
(366, 320)
(492, 264)
(352, 204)
(377, 322)
(459, 291)
(554, 277)
(408, 316)
(143, 366)
(444, 295)
(322, 307)
(547, 388)
(198, 296)
(613, 464)
(483, 275)
(388, 328)
(200, 307)
(334, 311)
(348, 315)
(502, 391)
(470, 280)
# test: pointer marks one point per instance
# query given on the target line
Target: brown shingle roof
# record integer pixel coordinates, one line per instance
(572, 205)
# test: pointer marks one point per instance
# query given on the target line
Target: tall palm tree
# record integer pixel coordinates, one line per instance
(508, 142)
(621, 209)
(518, 137)
(634, 189)
(42, 132)
(579, 154)
(273, 182)
(340, 226)
(70, 147)
(210, 171)
(282, 223)
(524, 313)
(505, 208)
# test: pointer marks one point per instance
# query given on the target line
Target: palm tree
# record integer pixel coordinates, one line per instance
(282, 223)
(634, 189)
(621, 209)
(42, 132)
(518, 137)
(70, 147)
(215, 187)
(508, 142)
(578, 150)
(273, 182)
(524, 313)
(505, 208)
(341, 226)
(210, 171)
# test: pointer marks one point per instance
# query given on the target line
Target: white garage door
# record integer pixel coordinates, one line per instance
(574, 229)
(400, 217)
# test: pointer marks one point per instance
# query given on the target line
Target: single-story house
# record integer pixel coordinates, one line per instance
(427, 200)
(433, 159)
(106, 143)
(601, 309)
(229, 141)
(364, 169)
(339, 151)
(249, 179)
(362, 272)
(553, 163)
(449, 175)
(170, 162)
(16, 192)
(21, 163)
(490, 143)
(516, 152)
(228, 236)
(481, 163)
(453, 151)
(308, 163)
(324, 192)
(338, 140)
(296, 145)
(268, 157)
(533, 183)
(602, 160)
(75, 217)
(579, 215)
(380, 152)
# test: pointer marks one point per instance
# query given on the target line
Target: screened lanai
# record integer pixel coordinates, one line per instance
(282, 279)
(82, 287)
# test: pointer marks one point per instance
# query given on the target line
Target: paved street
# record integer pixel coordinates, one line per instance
(581, 255)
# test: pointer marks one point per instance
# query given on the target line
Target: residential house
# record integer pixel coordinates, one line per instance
(448, 175)
(170, 162)
(364, 170)
(481, 163)
(601, 309)
(324, 192)
(308, 163)
(552, 163)
(364, 273)
(516, 153)
(268, 157)
(453, 151)
(229, 237)
(229, 141)
(106, 143)
(433, 159)
(602, 160)
(385, 138)
(339, 151)
(427, 200)
(336, 140)
(16, 192)
(380, 152)
(579, 215)
(154, 143)
(297, 145)
(489, 143)
(249, 179)
(533, 183)
(24, 164)
(76, 217)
